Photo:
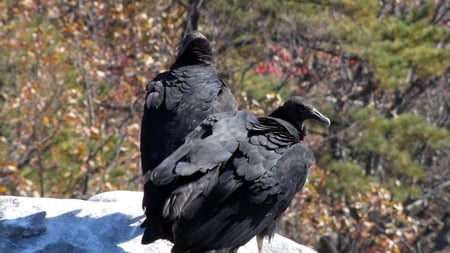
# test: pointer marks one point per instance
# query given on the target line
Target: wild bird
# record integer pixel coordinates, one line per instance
(236, 173)
(177, 101)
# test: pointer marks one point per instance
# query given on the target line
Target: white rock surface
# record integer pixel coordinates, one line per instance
(108, 222)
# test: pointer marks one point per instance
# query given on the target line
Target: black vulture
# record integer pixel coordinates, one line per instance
(177, 101)
(236, 175)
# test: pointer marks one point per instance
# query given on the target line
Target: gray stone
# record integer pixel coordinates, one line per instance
(30, 225)
(108, 222)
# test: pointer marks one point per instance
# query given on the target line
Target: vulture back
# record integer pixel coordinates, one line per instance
(176, 102)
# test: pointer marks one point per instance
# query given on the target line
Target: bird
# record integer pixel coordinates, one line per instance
(236, 175)
(176, 102)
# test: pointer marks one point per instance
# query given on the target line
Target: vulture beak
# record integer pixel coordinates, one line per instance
(316, 115)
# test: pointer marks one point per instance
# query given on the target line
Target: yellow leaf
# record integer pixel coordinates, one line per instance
(57, 57)
(45, 121)
(3, 189)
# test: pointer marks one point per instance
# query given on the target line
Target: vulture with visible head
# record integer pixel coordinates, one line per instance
(177, 101)
(236, 173)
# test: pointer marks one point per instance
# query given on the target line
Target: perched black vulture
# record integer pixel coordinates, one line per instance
(177, 101)
(236, 175)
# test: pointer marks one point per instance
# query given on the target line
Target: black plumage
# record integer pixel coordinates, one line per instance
(177, 101)
(236, 174)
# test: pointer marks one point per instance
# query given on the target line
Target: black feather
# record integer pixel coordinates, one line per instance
(177, 102)
(239, 173)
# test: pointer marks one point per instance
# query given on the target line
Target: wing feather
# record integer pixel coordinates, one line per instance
(209, 145)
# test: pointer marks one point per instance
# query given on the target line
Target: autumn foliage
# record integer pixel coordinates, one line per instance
(72, 78)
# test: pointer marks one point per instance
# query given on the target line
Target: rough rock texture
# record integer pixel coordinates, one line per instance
(108, 222)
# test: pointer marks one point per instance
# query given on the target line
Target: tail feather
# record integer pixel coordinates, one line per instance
(222, 251)
(209, 251)
(149, 235)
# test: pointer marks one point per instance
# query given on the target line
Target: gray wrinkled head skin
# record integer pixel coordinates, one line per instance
(183, 44)
(299, 111)
(194, 49)
(296, 112)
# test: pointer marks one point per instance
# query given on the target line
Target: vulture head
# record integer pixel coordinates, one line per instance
(296, 112)
(194, 49)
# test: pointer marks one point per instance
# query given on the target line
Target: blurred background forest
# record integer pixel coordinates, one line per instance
(72, 78)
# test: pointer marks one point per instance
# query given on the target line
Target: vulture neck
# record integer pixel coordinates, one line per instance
(280, 113)
(198, 52)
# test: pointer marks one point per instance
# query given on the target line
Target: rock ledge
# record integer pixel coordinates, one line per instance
(107, 222)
